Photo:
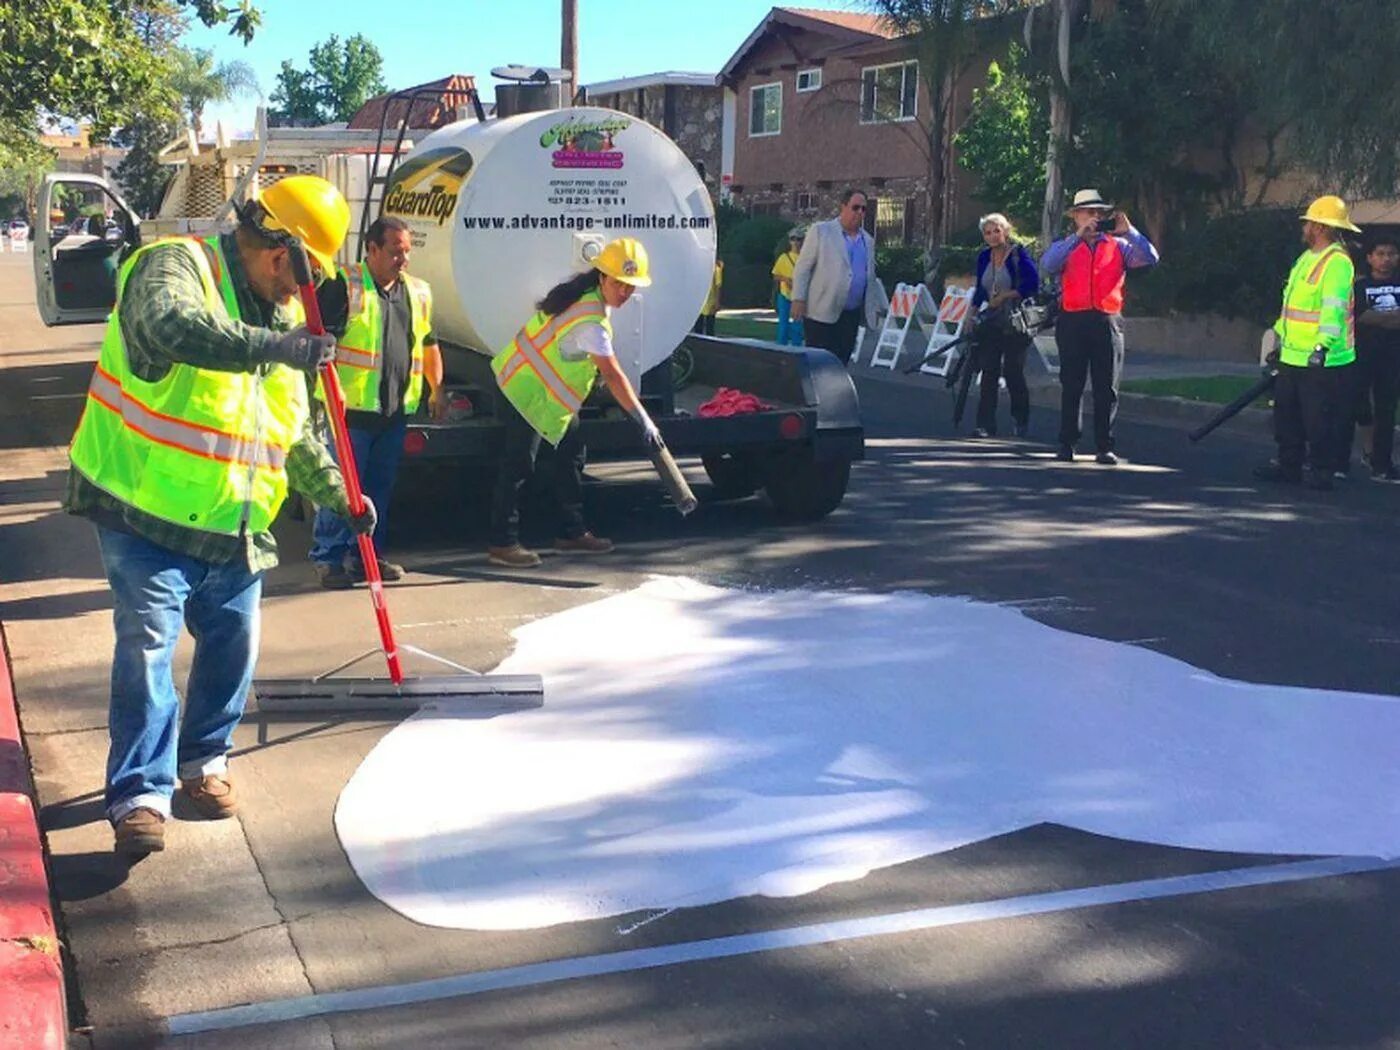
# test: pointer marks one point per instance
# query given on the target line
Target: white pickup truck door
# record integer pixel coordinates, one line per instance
(75, 275)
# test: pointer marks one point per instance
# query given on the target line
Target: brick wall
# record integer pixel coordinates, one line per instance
(692, 116)
(823, 147)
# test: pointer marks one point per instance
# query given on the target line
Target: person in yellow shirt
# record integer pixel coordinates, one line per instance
(705, 323)
(789, 331)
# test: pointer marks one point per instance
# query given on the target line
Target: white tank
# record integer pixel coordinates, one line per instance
(500, 212)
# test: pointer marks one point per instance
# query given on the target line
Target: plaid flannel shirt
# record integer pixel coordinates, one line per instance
(165, 321)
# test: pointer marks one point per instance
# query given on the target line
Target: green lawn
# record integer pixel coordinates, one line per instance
(1218, 390)
(744, 328)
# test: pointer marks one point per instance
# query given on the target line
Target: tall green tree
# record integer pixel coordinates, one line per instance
(1003, 140)
(198, 81)
(340, 77)
(160, 25)
(85, 60)
(943, 37)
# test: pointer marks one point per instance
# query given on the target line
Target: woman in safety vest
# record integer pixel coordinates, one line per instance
(545, 375)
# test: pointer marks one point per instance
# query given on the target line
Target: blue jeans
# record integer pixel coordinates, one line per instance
(377, 456)
(156, 592)
(789, 331)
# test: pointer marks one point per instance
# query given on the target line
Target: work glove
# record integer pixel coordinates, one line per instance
(651, 434)
(301, 348)
(363, 524)
(1318, 358)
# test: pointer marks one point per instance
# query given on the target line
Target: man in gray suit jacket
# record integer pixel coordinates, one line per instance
(833, 284)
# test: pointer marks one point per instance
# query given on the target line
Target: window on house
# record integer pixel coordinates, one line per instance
(890, 220)
(809, 79)
(806, 202)
(765, 110)
(765, 208)
(889, 92)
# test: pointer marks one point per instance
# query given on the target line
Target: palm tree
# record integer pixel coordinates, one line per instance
(199, 82)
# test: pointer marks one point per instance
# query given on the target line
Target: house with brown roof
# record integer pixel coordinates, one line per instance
(821, 100)
(443, 101)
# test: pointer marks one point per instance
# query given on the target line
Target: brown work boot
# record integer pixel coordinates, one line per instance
(512, 557)
(211, 795)
(140, 832)
(389, 572)
(585, 544)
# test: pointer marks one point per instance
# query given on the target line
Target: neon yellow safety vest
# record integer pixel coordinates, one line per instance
(200, 448)
(544, 388)
(359, 358)
(1317, 309)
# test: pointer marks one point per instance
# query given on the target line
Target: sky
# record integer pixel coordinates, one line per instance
(428, 39)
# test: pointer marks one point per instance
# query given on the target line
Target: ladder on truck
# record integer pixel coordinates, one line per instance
(378, 184)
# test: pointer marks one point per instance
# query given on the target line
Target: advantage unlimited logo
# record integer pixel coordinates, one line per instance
(427, 186)
(586, 143)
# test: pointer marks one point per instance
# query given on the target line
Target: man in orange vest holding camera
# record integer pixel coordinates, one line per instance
(1092, 263)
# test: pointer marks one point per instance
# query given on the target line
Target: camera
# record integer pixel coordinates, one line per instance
(1107, 223)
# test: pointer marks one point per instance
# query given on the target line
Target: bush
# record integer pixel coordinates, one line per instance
(747, 286)
(748, 244)
(1233, 265)
(757, 239)
(899, 264)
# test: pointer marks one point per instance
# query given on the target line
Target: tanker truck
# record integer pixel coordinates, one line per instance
(499, 211)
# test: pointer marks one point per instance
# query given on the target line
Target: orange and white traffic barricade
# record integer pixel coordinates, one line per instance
(954, 316)
(910, 307)
(882, 310)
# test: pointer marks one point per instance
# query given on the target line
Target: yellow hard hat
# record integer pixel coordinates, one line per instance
(626, 260)
(311, 210)
(1331, 211)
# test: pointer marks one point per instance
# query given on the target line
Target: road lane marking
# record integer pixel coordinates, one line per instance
(535, 974)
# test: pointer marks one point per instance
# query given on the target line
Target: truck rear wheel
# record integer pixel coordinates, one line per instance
(733, 475)
(803, 488)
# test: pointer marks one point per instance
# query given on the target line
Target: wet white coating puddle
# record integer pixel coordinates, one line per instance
(700, 744)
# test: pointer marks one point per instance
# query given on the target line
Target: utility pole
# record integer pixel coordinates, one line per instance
(568, 45)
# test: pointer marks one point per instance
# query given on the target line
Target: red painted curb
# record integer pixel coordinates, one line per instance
(31, 975)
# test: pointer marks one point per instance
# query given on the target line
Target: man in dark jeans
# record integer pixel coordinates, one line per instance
(1378, 354)
(833, 283)
(382, 316)
(1093, 261)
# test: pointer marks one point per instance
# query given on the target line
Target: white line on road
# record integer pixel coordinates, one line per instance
(383, 996)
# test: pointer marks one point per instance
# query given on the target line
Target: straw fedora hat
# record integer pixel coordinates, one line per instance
(1089, 199)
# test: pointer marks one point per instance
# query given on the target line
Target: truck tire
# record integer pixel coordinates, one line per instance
(803, 488)
(733, 474)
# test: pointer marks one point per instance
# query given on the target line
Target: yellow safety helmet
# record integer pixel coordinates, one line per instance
(626, 260)
(1330, 211)
(311, 210)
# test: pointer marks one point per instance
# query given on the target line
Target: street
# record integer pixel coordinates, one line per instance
(1177, 550)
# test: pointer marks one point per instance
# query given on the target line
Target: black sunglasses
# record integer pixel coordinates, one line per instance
(856, 207)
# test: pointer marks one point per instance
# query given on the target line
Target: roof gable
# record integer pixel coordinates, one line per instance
(840, 28)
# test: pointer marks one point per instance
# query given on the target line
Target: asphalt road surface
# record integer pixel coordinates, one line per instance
(1176, 550)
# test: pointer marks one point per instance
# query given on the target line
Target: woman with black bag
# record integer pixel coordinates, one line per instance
(1006, 274)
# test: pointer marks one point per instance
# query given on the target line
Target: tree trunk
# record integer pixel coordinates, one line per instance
(1050, 219)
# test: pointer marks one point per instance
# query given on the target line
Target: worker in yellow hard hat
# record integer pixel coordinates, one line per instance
(195, 427)
(545, 374)
(1316, 351)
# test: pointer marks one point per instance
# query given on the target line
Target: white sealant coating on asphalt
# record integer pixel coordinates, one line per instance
(699, 744)
(543, 973)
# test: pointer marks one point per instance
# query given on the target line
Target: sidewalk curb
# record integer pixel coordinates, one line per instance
(1253, 424)
(31, 973)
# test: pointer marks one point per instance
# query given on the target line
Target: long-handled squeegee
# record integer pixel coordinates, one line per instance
(329, 695)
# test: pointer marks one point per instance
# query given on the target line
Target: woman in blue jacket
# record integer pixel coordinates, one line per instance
(1006, 274)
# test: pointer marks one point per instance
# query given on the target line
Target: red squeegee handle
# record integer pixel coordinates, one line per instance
(345, 456)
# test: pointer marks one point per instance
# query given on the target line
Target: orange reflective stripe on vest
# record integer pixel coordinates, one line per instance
(167, 430)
